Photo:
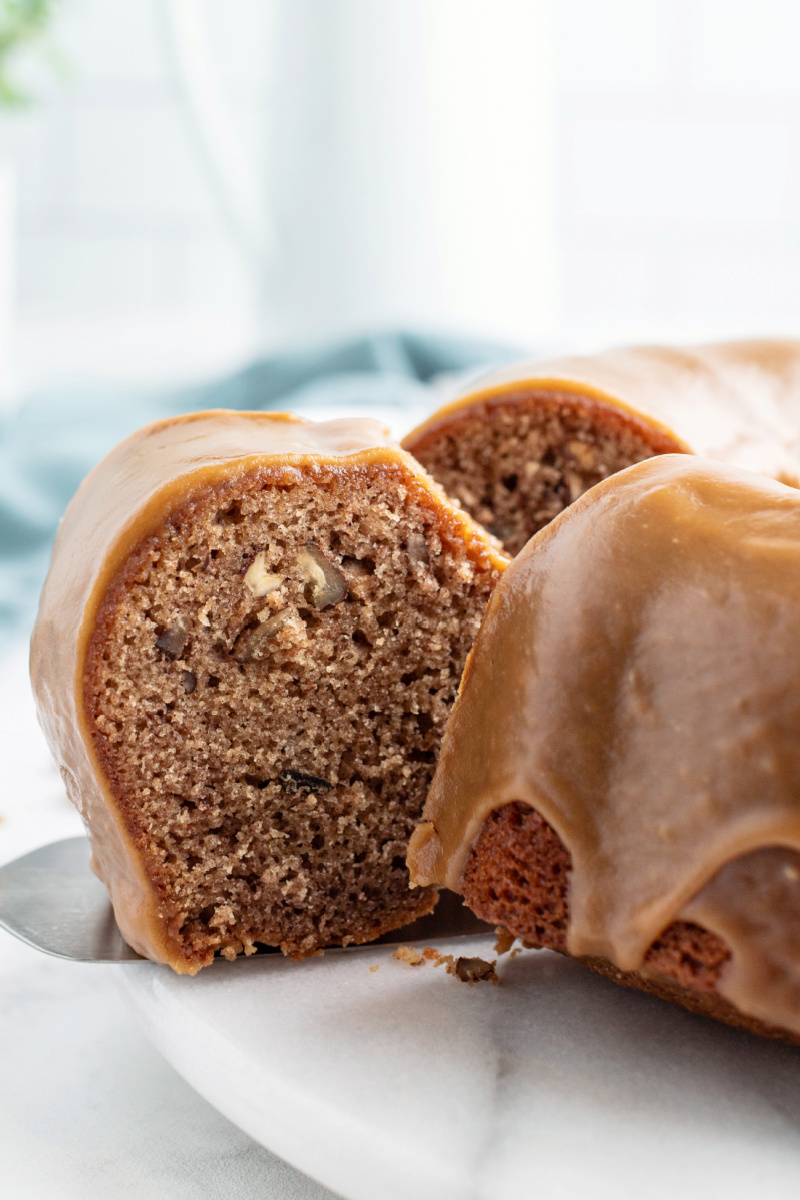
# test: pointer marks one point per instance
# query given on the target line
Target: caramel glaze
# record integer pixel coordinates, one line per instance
(738, 402)
(124, 500)
(636, 681)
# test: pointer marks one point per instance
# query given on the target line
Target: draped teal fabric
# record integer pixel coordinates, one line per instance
(48, 446)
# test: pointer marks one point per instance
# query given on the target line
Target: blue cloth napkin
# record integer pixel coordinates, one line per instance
(48, 446)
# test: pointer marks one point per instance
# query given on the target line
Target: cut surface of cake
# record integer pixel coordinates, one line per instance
(527, 441)
(247, 647)
(620, 776)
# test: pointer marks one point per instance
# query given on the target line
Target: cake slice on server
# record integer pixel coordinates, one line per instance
(247, 646)
(526, 441)
(620, 776)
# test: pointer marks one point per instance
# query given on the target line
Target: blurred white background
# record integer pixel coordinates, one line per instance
(544, 172)
(547, 173)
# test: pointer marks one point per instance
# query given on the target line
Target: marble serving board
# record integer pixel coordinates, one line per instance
(395, 1084)
(404, 1082)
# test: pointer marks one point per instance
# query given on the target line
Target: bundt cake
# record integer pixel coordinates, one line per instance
(620, 776)
(525, 442)
(247, 646)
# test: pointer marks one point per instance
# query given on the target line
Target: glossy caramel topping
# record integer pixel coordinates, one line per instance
(637, 681)
(753, 903)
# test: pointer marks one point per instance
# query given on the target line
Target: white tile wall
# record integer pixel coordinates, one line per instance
(113, 42)
(116, 218)
(678, 135)
(679, 131)
(745, 47)
(659, 171)
(613, 45)
(87, 271)
(133, 162)
(117, 215)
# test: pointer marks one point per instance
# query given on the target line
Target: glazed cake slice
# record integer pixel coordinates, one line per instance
(527, 441)
(247, 647)
(620, 776)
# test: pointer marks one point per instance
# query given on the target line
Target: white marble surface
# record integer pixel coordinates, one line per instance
(406, 1083)
(382, 1085)
(88, 1108)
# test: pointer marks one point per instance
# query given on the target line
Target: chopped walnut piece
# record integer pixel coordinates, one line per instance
(408, 954)
(583, 453)
(258, 580)
(325, 583)
(253, 643)
(274, 604)
(189, 681)
(274, 623)
(173, 640)
(418, 549)
(358, 571)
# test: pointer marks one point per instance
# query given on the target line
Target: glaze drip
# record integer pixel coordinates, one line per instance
(636, 682)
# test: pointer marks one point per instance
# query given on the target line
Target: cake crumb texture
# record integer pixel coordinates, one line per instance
(267, 686)
(504, 941)
(467, 970)
(474, 970)
(408, 955)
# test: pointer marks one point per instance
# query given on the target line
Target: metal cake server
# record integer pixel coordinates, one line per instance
(51, 900)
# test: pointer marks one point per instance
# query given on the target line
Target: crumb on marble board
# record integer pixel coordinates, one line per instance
(467, 970)
(474, 970)
(408, 954)
(373, 968)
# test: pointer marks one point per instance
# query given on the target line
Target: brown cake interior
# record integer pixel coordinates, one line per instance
(517, 876)
(514, 463)
(272, 753)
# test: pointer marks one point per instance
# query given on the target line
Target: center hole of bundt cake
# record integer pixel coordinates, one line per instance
(516, 466)
(268, 684)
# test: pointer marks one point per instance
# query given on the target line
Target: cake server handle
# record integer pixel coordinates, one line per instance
(51, 900)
